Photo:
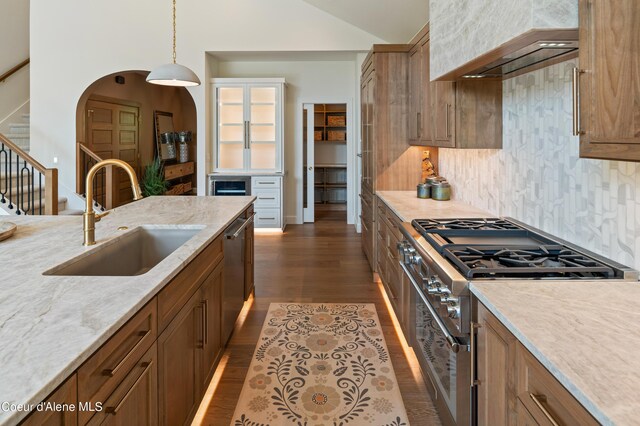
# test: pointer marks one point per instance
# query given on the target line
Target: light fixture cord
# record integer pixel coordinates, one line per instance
(174, 31)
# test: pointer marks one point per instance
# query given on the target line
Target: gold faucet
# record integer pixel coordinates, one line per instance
(89, 217)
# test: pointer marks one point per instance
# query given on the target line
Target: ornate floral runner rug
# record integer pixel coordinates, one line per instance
(320, 364)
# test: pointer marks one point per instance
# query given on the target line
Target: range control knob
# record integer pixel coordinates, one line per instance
(453, 311)
(433, 290)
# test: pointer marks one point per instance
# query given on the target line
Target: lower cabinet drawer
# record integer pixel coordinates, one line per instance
(135, 400)
(99, 376)
(265, 182)
(267, 198)
(545, 399)
(268, 218)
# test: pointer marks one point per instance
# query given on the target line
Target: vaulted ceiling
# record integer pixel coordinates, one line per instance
(395, 21)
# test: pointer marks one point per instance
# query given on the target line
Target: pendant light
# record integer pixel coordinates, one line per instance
(173, 74)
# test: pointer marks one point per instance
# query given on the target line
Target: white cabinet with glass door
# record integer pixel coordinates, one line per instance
(247, 128)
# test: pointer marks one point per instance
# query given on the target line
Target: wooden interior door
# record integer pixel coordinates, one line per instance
(112, 132)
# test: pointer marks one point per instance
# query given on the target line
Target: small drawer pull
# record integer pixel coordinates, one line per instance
(112, 372)
(266, 198)
(538, 399)
(114, 410)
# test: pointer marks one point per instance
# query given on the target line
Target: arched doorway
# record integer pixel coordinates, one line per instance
(115, 118)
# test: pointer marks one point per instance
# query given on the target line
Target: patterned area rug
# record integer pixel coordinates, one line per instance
(320, 365)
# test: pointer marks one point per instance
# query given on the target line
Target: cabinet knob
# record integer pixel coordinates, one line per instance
(310, 168)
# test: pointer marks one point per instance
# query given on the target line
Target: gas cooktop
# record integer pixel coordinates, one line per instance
(494, 248)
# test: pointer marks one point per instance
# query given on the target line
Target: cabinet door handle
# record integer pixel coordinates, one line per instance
(575, 90)
(418, 124)
(472, 353)
(114, 410)
(113, 371)
(537, 399)
(206, 321)
(446, 120)
(200, 341)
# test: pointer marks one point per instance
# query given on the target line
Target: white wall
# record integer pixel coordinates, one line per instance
(75, 42)
(539, 178)
(14, 48)
(320, 81)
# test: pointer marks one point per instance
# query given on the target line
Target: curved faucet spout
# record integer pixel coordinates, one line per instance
(89, 216)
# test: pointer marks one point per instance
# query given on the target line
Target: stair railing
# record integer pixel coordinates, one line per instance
(26, 186)
(14, 70)
(102, 183)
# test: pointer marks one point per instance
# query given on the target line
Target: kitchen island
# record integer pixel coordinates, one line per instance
(580, 331)
(50, 325)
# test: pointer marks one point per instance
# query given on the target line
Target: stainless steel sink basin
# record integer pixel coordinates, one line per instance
(134, 253)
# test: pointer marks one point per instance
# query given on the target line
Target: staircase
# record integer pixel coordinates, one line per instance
(24, 181)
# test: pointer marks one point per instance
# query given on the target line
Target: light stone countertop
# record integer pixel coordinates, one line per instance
(49, 325)
(585, 333)
(407, 206)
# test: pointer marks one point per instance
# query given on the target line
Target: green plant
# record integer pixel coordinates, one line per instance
(153, 182)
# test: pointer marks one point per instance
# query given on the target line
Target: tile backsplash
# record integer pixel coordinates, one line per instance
(539, 178)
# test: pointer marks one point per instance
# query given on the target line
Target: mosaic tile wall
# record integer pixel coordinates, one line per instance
(538, 177)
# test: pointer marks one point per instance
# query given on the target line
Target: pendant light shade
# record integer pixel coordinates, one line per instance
(173, 74)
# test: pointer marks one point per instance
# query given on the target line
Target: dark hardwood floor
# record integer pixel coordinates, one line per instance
(321, 262)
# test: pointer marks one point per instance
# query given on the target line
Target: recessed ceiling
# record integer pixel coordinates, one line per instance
(395, 21)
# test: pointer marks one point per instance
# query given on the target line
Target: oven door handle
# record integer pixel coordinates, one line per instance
(451, 340)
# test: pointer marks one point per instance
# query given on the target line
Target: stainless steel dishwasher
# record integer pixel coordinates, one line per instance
(233, 275)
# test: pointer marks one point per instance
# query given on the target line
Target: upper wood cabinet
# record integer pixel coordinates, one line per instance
(464, 114)
(609, 80)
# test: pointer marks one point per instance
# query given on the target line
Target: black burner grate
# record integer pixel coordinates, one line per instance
(436, 225)
(542, 262)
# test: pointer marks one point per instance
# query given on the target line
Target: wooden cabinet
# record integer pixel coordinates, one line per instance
(496, 363)
(609, 84)
(464, 114)
(179, 347)
(65, 394)
(179, 177)
(388, 163)
(210, 297)
(513, 387)
(105, 370)
(388, 262)
(155, 368)
(546, 400)
(366, 219)
(135, 401)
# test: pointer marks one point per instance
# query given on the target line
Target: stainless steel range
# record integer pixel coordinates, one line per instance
(440, 257)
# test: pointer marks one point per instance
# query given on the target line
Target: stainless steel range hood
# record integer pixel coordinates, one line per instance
(532, 50)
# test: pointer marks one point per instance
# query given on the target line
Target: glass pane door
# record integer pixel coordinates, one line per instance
(262, 128)
(231, 128)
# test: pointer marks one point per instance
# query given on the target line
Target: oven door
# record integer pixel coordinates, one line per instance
(444, 358)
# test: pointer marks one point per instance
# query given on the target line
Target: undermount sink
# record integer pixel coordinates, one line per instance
(133, 253)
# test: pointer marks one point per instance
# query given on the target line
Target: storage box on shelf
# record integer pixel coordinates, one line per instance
(330, 122)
